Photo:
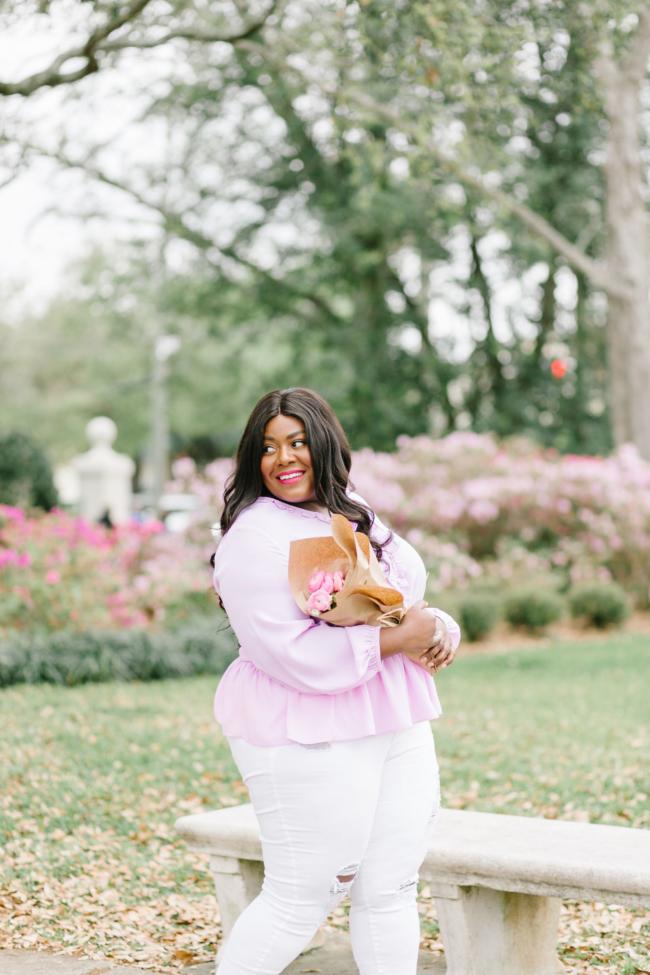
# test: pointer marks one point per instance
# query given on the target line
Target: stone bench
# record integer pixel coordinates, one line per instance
(498, 881)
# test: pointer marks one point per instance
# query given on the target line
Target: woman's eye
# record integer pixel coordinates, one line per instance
(299, 443)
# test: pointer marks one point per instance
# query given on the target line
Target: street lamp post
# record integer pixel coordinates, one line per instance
(165, 346)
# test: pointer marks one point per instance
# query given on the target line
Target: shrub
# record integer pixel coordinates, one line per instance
(58, 572)
(599, 605)
(25, 473)
(80, 658)
(478, 615)
(532, 608)
(477, 509)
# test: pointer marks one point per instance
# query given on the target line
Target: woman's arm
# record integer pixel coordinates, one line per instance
(251, 576)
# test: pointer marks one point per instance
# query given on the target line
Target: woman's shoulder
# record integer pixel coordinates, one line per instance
(259, 518)
(377, 522)
(252, 539)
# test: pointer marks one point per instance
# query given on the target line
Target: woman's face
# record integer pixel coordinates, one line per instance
(286, 460)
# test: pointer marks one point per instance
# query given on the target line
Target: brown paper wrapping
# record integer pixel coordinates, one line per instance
(366, 596)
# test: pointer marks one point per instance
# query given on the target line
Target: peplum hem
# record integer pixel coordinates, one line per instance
(251, 705)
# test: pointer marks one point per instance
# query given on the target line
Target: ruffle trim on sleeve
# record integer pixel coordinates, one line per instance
(367, 639)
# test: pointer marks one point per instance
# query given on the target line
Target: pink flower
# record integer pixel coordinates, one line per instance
(24, 560)
(11, 513)
(151, 528)
(316, 581)
(52, 577)
(339, 581)
(328, 583)
(319, 602)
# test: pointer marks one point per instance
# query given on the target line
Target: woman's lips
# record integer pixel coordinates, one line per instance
(290, 477)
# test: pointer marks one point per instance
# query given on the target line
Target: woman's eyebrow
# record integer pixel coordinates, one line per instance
(298, 433)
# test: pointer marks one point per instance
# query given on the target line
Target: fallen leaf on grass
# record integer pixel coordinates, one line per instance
(187, 957)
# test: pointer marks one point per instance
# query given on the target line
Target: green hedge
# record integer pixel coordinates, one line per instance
(532, 609)
(25, 473)
(599, 604)
(478, 616)
(79, 658)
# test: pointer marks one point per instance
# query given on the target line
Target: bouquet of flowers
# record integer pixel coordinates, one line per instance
(339, 579)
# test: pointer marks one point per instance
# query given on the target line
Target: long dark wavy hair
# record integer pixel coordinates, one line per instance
(330, 458)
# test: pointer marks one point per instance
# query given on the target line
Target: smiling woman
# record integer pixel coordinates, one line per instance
(328, 724)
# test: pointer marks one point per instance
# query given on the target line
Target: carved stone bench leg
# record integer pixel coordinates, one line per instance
(492, 932)
(237, 883)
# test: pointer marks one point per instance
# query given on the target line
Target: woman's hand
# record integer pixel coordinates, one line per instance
(440, 654)
(422, 637)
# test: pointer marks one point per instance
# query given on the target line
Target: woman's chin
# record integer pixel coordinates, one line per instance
(294, 495)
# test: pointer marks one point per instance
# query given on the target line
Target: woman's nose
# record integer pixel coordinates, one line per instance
(286, 454)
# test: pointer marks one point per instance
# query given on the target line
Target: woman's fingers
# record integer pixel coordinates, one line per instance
(444, 649)
(440, 654)
(446, 656)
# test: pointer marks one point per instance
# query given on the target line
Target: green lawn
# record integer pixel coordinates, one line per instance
(560, 732)
(92, 778)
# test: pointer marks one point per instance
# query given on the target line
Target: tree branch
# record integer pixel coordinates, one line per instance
(99, 43)
(204, 37)
(51, 77)
(635, 63)
(173, 223)
(596, 271)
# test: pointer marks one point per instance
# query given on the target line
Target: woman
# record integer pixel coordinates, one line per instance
(329, 726)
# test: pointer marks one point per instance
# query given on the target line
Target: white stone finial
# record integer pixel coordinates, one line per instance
(101, 432)
(104, 475)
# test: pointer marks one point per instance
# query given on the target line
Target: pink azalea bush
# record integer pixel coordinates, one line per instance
(483, 511)
(60, 572)
(511, 511)
(477, 510)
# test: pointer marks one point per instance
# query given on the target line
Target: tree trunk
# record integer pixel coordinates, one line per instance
(627, 248)
(624, 274)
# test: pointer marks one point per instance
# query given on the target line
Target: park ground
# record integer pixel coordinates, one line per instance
(93, 777)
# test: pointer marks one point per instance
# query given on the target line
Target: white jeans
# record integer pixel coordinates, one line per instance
(360, 810)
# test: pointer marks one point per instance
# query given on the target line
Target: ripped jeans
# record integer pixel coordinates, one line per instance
(347, 817)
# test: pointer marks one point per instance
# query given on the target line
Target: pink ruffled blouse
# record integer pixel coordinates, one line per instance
(296, 678)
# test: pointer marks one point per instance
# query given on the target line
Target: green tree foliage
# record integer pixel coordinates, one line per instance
(356, 303)
(25, 473)
(319, 232)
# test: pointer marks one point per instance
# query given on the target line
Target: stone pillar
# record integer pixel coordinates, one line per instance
(493, 932)
(104, 475)
(237, 883)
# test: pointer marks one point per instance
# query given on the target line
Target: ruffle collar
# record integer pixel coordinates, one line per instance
(305, 512)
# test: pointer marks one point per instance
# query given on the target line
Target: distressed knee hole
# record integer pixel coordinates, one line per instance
(434, 812)
(343, 881)
(432, 819)
(340, 888)
(408, 889)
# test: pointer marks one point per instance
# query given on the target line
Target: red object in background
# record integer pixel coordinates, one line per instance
(558, 368)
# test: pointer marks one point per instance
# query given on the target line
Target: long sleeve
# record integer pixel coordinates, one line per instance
(251, 576)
